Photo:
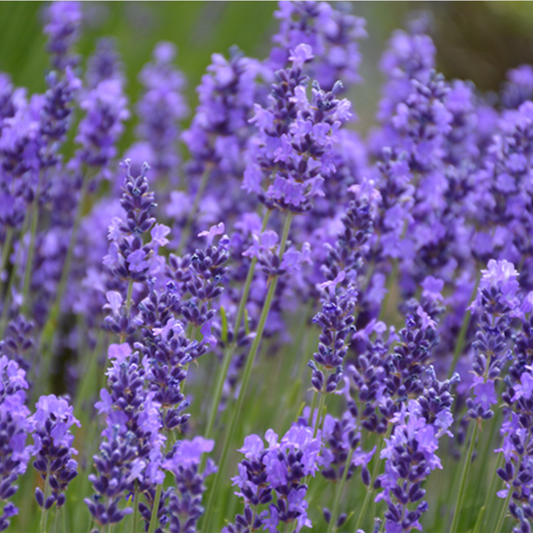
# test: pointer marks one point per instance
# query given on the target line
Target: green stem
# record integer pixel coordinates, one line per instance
(332, 523)
(64, 521)
(462, 333)
(56, 521)
(128, 297)
(302, 365)
(477, 527)
(505, 508)
(313, 407)
(6, 248)
(230, 350)
(136, 509)
(491, 491)
(321, 404)
(185, 234)
(31, 249)
(375, 473)
(464, 477)
(484, 459)
(89, 382)
(235, 416)
(45, 495)
(155, 508)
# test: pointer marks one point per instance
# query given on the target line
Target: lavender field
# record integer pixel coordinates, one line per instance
(238, 306)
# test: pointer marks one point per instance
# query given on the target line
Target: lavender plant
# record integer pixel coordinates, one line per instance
(155, 317)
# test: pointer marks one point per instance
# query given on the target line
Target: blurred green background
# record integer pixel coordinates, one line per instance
(475, 40)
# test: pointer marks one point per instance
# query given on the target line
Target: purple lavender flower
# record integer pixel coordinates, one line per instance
(410, 458)
(279, 472)
(160, 109)
(396, 190)
(53, 449)
(410, 56)
(20, 148)
(129, 258)
(410, 453)
(330, 30)
(130, 452)
(497, 302)
(337, 323)
(216, 139)
(517, 470)
(168, 351)
(14, 427)
(63, 20)
(293, 149)
(507, 195)
(340, 437)
(104, 64)
(216, 135)
(184, 463)
(339, 297)
(56, 113)
(8, 98)
(366, 378)
(18, 342)
(518, 88)
(99, 130)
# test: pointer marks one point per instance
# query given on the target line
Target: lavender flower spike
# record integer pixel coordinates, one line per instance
(277, 476)
(185, 504)
(63, 20)
(99, 130)
(14, 427)
(53, 448)
(498, 303)
(292, 153)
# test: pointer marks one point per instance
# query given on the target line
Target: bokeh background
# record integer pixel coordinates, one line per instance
(479, 41)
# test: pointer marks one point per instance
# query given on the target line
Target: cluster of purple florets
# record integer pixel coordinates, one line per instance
(138, 300)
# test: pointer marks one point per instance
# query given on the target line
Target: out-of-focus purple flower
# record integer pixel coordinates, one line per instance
(105, 109)
(161, 108)
(226, 93)
(409, 56)
(18, 345)
(56, 112)
(104, 64)
(216, 139)
(8, 97)
(212, 232)
(63, 20)
(341, 437)
(330, 30)
(518, 88)
(506, 193)
(502, 277)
